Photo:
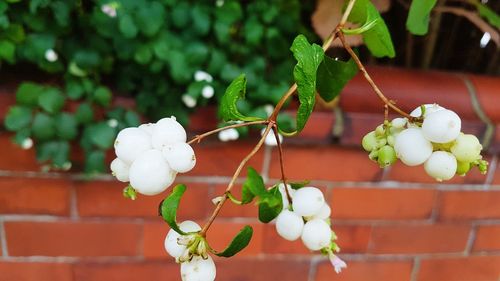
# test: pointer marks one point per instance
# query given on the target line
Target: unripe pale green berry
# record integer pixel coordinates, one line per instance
(316, 234)
(463, 168)
(466, 148)
(307, 201)
(171, 246)
(289, 225)
(412, 148)
(399, 123)
(380, 130)
(369, 141)
(441, 165)
(441, 126)
(198, 269)
(373, 155)
(386, 156)
(391, 140)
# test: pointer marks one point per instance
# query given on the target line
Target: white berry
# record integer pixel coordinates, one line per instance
(270, 138)
(399, 123)
(171, 246)
(120, 170)
(130, 143)
(167, 131)
(189, 100)
(441, 126)
(207, 91)
(198, 269)
(323, 213)
(180, 156)
(429, 108)
(148, 128)
(412, 148)
(316, 234)
(307, 201)
(441, 165)
(466, 148)
(289, 225)
(228, 135)
(150, 173)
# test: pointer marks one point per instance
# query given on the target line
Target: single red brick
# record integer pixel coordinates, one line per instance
(32, 271)
(154, 238)
(419, 239)
(382, 203)
(487, 238)
(325, 163)
(352, 238)
(127, 271)
(222, 159)
(14, 158)
(318, 127)
(104, 198)
(479, 268)
(34, 196)
(7, 99)
(480, 204)
(366, 270)
(487, 88)
(73, 239)
(249, 269)
(275, 244)
(222, 232)
(357, 125)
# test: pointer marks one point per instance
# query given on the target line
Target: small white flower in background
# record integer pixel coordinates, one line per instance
(228, 135)
(51, 55)
(337, 263)
(201, 75)
(269, 109)
(109, 9)
(113, 123)
(27, 143)
(219, 3)
(189, 101)
(207, 91)
(270, 138)
(67, 165)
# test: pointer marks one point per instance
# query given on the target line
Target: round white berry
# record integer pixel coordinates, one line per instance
(27, 143)
(171, 246)
(466, 148)
(130, 143)
(228, 135)
(201, 75)
(291, 191)
(270, 138)
(180, 156)
(150, 173)
(429, 108)
(412, 147)
(289, 225)
(441, 165)
(120, 170)
(167, 131)
(441, 126)
(323, 213)
(207, 91)
(51, 55)
(148, 128)
(307, 201)
(398, 123)
(189, 100)
(198, 269)
(316, 234)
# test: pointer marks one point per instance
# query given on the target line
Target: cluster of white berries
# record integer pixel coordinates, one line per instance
(191, 251)
(151, 155)
(190, 99)
(308, 218)
(437, 143)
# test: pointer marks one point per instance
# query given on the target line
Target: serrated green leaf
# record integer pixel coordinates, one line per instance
(102, 96)
(308, 59)
(377, 39)
(28, 93)
(170, 205)
(487, 13)
(239, 242)
(419, 16)
(333, 75)
(66, 126)
(102, 135)
(18, 117)
(270, 206)
(44, 127)
(51, 100)
(228, 109)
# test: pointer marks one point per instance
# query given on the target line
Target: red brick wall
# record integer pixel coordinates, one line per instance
(392, 225)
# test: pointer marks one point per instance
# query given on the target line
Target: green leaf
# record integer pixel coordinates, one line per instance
(18, 118)
(102, 135)
(239, 242)
(308, 59)
(102, 96)
(84, 113)
(419, 16)
(55, 151)
(487, 13)
(132, 119)
(15, 33)
(170, 205)
(7, 51)
(180, 15)
(228, 109)
(254, 183)
(297, 185)
(66, 126)
(74, 90)
(127, 26)
(150, 18)
(44, 127)
(94, 162)
(333, 75)
(377, 39)
(28, 93)
(51, 100)
(270, 206)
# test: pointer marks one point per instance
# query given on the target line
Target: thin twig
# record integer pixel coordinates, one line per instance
(198, 138)
(282, 163)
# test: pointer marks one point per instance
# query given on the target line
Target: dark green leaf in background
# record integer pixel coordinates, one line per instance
(490, 15)
(44, 127)
(333, 75)
(18, 117)
(66, 126)
(419, 16)
(102, 135)
(51, 100)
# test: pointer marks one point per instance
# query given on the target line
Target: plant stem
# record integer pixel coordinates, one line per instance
(282, 163)
(198, 138)
(233, 179)
(370, 80)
